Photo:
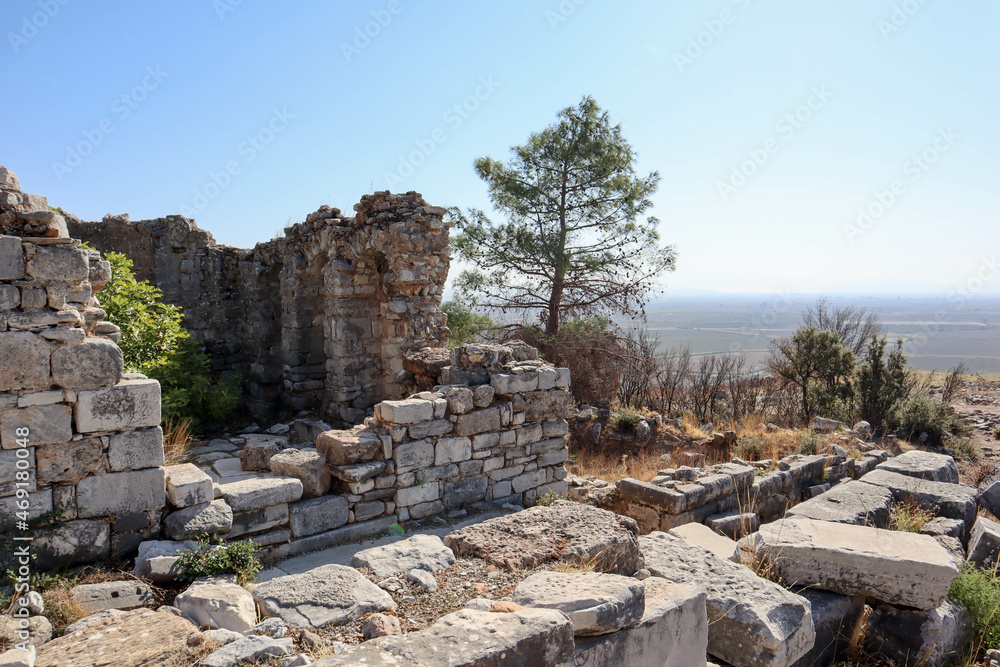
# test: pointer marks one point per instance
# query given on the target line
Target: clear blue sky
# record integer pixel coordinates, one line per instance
(333, 116)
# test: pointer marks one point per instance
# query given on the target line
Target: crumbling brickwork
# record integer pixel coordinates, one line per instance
(321, 318)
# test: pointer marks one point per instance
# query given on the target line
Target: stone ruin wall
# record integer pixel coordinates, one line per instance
(88, 472)
(320, 319)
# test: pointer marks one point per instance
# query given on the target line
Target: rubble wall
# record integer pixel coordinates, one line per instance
(321, 318)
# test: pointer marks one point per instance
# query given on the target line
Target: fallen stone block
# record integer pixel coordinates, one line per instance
(734, 524)
(308, 467)
(422, 552)
(755, 622)
(257, 453)
(248, 649)
(930, 638)
(835, 618)
(469, 638)
(984, 543)
(188, 485)
(597, 603)
(138, 637)
(38, 629)
(343, 448)
(941, 498)
(157, 559)
(327, 595)
(923, 465)
(257, 493)
(855, 502)
(668, 500)
(124, 595)
(895, 567)
(566, 531)
(214, 518)
(705, 537)
(673, 632)
(215, 604)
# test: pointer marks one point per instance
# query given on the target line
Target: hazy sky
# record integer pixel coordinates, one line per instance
(773, 124)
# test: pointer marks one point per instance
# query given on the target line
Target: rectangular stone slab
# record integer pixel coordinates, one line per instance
(855, 502)
(753, 622)
(948, 500)
(894, 567)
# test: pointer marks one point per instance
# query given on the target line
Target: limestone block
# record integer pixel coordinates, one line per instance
(72, 543)
(308, 467)
(464, 491)
(895, 567)
(984, 543)
(121, 492)
(923, 465)
(130, 404)
(413, 455)
(59, 263)
(358, 472)
(452, 450)
(134, 450)
(914, 637)
(250, 494)
(257, 452)
(705, 537)
(596, 603)
(10, 297)
(124, 595)
(24, 362)
(669, 500)
(835, 617)
(413, 495)
(317, 515)
(258, 520)
(12, 508)
(248, 650)
(460, 400)
(70, 461)
(410, 411)
(347, 447)
(505, 384)
(478, 421)
(854, 502)
(46, 424)
(157, 559)
(188, 485)
(92, 364)
(9, 459)
(943, 499)
(11, 258)
(212, 518)
(214, 604)
(327, 595)
(420, 552)
(673, 632)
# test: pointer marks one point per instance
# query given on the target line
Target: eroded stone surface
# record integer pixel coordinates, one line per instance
(855, 502)
(327, 595)
(923, 465)
(597, 603)
(755, 622)
(423, 552)
(567, 531)
(216, 604)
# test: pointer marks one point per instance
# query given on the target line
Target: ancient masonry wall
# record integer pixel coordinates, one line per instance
(319, 319)
(82, 449)
(735, 498)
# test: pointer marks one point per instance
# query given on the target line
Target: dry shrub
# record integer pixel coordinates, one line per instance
(615, 466)
(177, 440)
(589, 350)
(909, 517)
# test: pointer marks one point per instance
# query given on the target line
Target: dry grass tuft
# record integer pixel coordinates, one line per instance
(614, 466)
(908, 517)
(177, 439)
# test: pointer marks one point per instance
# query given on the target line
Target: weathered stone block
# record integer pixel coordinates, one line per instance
(316, 515)
(134, 450)
(854, 502)
(923, 465)
(213, 518)
(596, 603)
(72, 543)
(478, 421)
(347, 447)
(9, 468)
(308, 467)
(657, 496)
(835, 618)
(465, 491)
(121, 492)
(890, 566)
(705, 537)
(452, 450)
(70, 461)
(420, 552)
(414, 495)
(250, 494)
(112, 595)
(11, 258)
(59, 263)
(45, 424)
(255, 521)
(24, 362)
(413, 455)
(948, 500)
(130, 404)
(188, 485)
(505, 384)
(409, 411)
(94, 363)
(258, 450)
(984, 543)
(913, 637)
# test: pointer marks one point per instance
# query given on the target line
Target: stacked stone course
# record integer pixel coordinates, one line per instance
(81, 443)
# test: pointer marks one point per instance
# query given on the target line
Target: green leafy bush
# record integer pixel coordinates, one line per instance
(466, 326)
(153, 342)
(978, 591)
(205, 560)
(151, 329)
(625, 420)
(923, 414)
(749, 448)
